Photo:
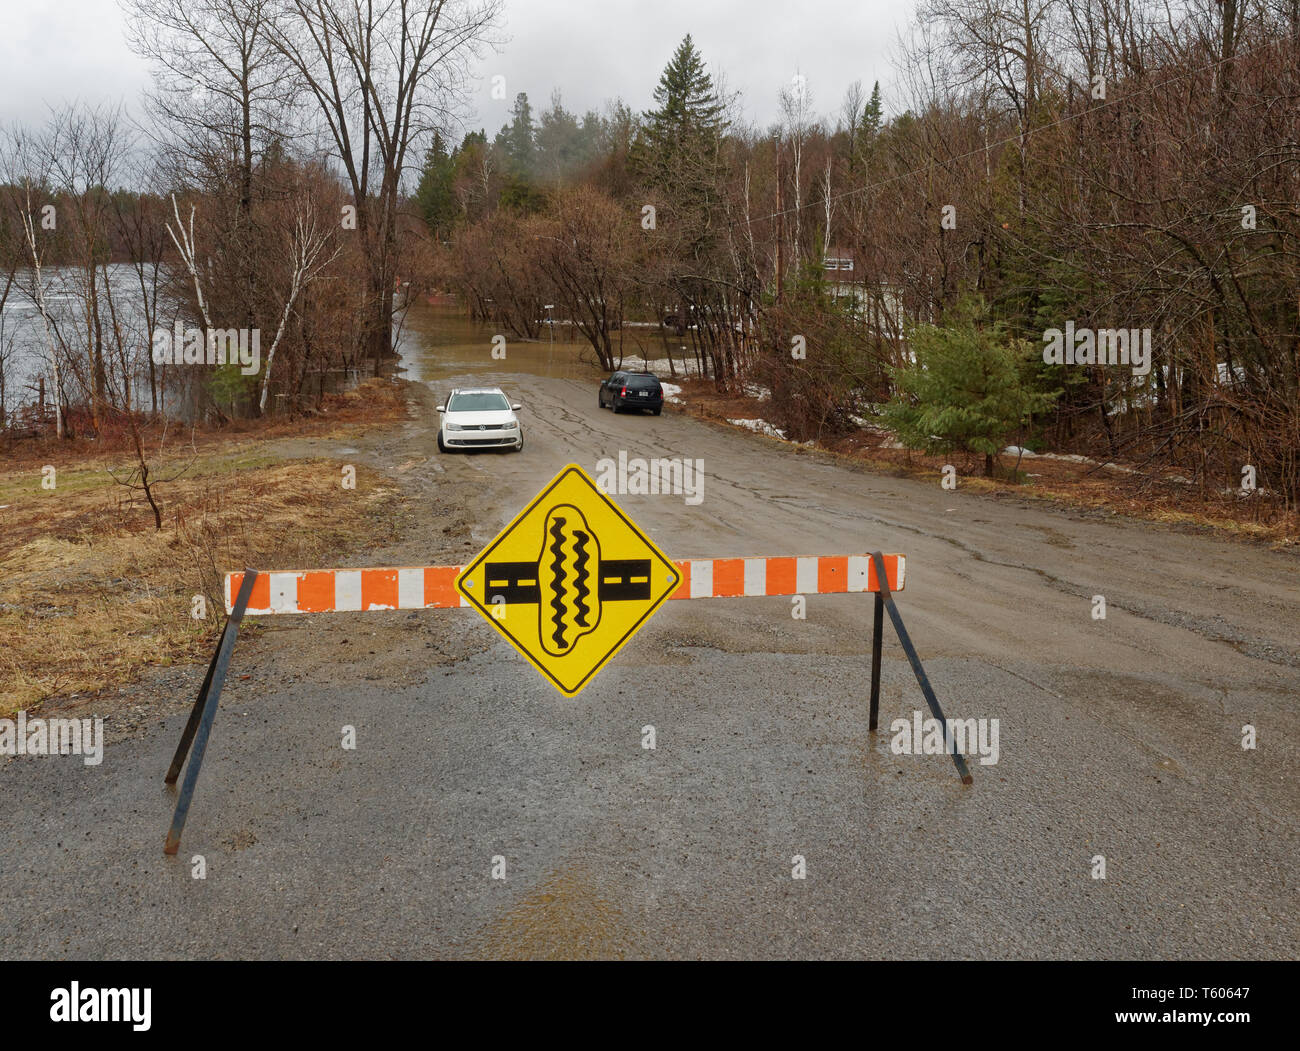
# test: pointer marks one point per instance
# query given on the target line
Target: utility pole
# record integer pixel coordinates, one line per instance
(780, 222)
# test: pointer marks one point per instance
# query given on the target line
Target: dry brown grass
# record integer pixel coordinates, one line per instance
(91, 593)
(373, 401)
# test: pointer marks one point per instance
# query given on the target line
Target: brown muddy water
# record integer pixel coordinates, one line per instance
(439, 343)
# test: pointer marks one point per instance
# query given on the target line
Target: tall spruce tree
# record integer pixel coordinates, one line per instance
(517, 139)
(434, 196)
(559, 142)
(679, 137)
(872, 113)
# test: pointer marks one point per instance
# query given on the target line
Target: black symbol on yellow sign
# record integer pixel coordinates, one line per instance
(569, 581)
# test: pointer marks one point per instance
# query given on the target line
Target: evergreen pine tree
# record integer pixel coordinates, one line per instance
(687, 101)
(517, 139)
(434, 196)
(872, 114)
(559, 142)
(681, 133)
(968, 387)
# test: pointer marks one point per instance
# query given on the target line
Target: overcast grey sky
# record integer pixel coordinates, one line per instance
(52, 51)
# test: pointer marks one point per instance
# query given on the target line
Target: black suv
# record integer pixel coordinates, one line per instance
(632, 390)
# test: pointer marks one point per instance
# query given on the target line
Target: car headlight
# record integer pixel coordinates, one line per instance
(454, 427)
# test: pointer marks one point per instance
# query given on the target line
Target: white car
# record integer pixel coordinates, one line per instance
(479, 418)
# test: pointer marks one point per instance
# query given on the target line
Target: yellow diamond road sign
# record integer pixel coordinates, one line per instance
(569, 581)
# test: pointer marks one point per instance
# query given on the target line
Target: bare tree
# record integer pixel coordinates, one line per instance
(222, 90)
(588, 250)
(306, 247)
(183, 238)
(796, 110)
(384, 74)
(27, 172)
(86, 147)
(141, 228)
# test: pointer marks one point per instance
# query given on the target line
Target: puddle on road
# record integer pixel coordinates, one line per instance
(875, 762)
(1054, 537)
(564, 918)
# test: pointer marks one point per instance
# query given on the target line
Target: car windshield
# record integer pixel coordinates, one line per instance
(478, 401)
(638, 382)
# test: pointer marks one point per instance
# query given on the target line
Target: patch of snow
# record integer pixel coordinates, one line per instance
(1015, 450)
(1237, 375)
(671, 390)
(759, 427)
(659, 366)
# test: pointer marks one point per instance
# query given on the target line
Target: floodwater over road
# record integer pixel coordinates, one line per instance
(440, 343)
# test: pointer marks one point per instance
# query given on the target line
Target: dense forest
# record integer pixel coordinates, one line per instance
(259, 192)
(1110, 166)
(896, 256)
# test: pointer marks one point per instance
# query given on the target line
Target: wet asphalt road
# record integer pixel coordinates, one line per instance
(1118, 737)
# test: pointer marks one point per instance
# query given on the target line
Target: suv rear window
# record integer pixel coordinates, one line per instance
(642, 383)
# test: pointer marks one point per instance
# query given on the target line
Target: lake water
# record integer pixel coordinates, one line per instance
(23, 345)
(437, 342)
